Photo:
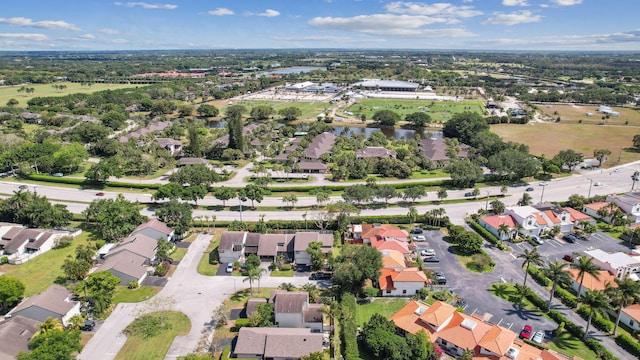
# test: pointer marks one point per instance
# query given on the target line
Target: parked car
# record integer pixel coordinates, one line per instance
(428, 252)
(525, 333)
(431, 259)
(469, 194)
(416, 231)
(88, 325)
(230, 267)
(598, 183)
(579, 236)
(538, 337)
(58, 174)
(419, 238)
(441, 279)
(568, 258)
(100, 194)
(569, 238)
(321, 275)
(537, 239)
(544, 183)
(529, 189)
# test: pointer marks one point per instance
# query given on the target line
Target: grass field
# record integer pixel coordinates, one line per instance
(40, 272)
(309, 110)
(579, 137)
(156, 347)
(440, 111)
(204, 265)
(384, 307)
(41, 90)
(125, 295)
(576, 113)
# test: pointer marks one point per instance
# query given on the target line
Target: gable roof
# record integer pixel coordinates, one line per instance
(125, 262)
(137, 244)
(590, 282)
(252, 305)
(320, 145)
(15, 334)
(303, 239)
(56, 299)
(435, 149)
(633, 311)
(269, 244)
(391, 244)
(496, 220)
(375, 152)
(278, 342)
(383, 230)
(231, 238)
(438, 313)
(291, 302)
(156, 225)
(576, 215)
(21, 238)
(389, 277)
(393, 259)
(596, 205)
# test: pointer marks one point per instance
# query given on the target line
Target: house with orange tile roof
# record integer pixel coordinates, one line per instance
(454, 332)
(554, 215)
(494, 224)
(530, 219)
(591, 282)
(593, 208)
(392, 259)
(631, 316)
(381, 236)
(578, 217)
(405, 282)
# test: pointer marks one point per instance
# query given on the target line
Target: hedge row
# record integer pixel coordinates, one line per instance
(599, 321)
(307, 188)
(487, 235)
(349, 328)
(629, 343)
(566, 297)
(88, 184)
(538, 276)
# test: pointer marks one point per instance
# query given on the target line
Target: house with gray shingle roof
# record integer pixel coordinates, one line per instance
(231, 246)
(127, 267)
(54, 302)
(15, 334)
(155, 229)
(292, 309)
(276, 343)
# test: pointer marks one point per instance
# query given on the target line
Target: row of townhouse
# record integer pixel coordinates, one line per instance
(533, 220)
(237, 245)
(20, 244)
(628, 203)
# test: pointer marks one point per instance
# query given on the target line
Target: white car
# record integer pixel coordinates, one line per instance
(230, 267)
(428, 252)
(538, 337)
(597, 183)
(419, 238)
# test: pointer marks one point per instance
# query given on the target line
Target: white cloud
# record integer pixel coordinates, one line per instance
(515, 3)
(32, 37)
(269, 13)
(439, 9)
(566, 2)
(45, 24)
(623, 37)
(87, 37)
(145, 5)
(220, 12)
(327, 38)
(514, 18)
(119, 41)
(109, 31)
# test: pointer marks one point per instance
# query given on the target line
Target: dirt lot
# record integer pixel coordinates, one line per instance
(549, 139)
(576, 113)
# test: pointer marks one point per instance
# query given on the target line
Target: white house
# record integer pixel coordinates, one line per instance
(54, 302)
(20, 244)
(554, 215)
(406, 282)
(231, 248)
(529, 218)
(631, 316)
(502, 226)
(629, 203)
(301, 243)
(292, 310)
(127, 267)
(618, 264)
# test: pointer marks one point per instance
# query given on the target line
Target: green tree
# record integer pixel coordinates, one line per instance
(569, 158)
(195, 174)
(176, 215)
(465, 127)
(380, 338)
(497, 207)
(102, 171)
(315, 253)
(224, 193)
(252, 262)
(195, 137)
(261, 112)
(290, 113)
(595, 301)
(557, 273)
(70, 156)
(100, 287)
(194, 193)
(206, 110)
(234, 126)
(263, 316)
(318, 355)
(421, 347)
(57, 345)
(168, 191)
(113, 119)
(584, 266)
(414, 192)
(12, 102)
(525, 200)
(626, 293)
(49, 326)
(464, 173)
(355, 266)
(252, 275)
(185, 110)
(386, 193)
(412, 215)
(113, 218)
(418, 119)
(254, 193)
(530, 257)
(386, 118)
(358, 194)
(442, 194)
(636, 141)
(11, 292)
(601, 155)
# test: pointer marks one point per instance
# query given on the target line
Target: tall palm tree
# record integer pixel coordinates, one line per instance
(595, 301)
(503, 229)
(585, 266)
(50, 325)
(252, 275)
(530, 257)
(556, 272)
(412, 215)
(626, 293)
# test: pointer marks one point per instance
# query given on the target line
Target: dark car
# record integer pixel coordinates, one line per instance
(22, 187)
(88, 325)
(431, 259)
(100, 194)
(525, 333)
(321, 275)
(569, 238)
(469, 193)
(416, 231)
(440, 278)
(529, 189)
(568, 258)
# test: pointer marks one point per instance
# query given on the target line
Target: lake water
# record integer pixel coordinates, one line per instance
(391, 133)
(294, 70)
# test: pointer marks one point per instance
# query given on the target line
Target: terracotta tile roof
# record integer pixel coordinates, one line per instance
(411, 275)
(497, 340)
(552, 216)
(539, 219)
(438, 313)
(577, 215)
(590, 282)
(633, 311)
(385, 230)
(408, 320)
(396, 245)
(496, 220)
(596, 205)
(386, 279)
(393, 259)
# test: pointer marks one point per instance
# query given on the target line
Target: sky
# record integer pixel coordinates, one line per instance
(345, 24)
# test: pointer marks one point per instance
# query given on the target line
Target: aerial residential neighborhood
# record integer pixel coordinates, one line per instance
(319, 180)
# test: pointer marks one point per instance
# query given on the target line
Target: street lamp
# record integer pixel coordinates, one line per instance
(590, 184)
(486, 205)
(542, 195)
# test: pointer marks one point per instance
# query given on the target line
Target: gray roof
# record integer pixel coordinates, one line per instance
(302, 240)
(278, 342)
(137, 244)
(291, 302)
(252, 305)
(10, 234)
(230, 238)
(312, 165)
(35, 245)
(313, 313)
(159, 126)
(435, 149)
(251, 243)
(192, 161)
(15, 333)
(55, 299)
(164, 142)
(126, 263)
(385, 84)
(320, 145)
(21, 238)
(156, 225)
(375, 152)
(269, 244)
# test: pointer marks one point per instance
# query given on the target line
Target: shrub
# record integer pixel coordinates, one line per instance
(285, 267)
(539, 277)
(133, 284)
(161, 270)
(146, 326)
(441, 295)
(63, 242)
(4, 260)
(537, 301)
(599, 349)
(241, 322)
(349, 329)
(565, 297)
(597, 319)
(226, 353)
(628, 343)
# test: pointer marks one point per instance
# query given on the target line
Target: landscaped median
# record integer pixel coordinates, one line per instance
(151, 335)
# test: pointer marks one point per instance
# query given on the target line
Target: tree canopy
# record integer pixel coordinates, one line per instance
(113, 218)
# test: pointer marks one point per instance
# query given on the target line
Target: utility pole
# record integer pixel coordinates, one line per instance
(542, 195)
(635, 177)
(590, 184)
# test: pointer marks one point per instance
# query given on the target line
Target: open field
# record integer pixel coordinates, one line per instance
(440, 111)
(11, 92)
(382, 306)
(310, 110)
(126, 295)
(156, 347)
(578, 113)
(40, 272)
(579, 137)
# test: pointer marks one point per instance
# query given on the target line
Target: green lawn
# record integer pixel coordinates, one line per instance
(283, 273)
(156, 347)
(384, 307)
(478, 263)
(565, 343)
(440, 111)
(310, 110)
(179, 253)
(205, 267)
(11, 92)
(125, 295)
(40, 272)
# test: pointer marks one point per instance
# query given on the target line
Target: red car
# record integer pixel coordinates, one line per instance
(526, 332)
(100, 194)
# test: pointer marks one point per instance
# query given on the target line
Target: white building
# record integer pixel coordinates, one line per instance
(618, 264)
(629, 203)
(529, 218)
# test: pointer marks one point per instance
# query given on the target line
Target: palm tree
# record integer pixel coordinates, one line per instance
(626, 293)
(252, 275)
(530, 257)
(412, 214)
(260, 271)
(503, 229)
(555, 271)
(595, 301)
(585, 266)
(50, 325)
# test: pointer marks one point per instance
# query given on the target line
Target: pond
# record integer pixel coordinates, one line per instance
(391, 133)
